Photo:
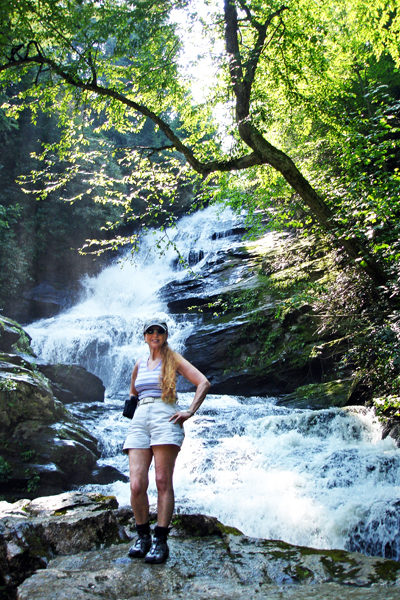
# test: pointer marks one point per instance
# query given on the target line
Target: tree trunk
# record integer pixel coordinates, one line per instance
(284, 165)
(242, 76)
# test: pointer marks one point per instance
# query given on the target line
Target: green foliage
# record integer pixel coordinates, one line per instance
(34, 481)
(14, 272)
(28, 455)
(376, 354)
(236, 302)
(7, 384)
(387, 406)
(348, 145)
(363, 172)
(298, 296)
(5, 469)
(104, 69)
(243, 301)
(132, 50)
(337, 115)
(23, 344)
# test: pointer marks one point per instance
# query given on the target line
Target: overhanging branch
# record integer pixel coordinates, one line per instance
(262, 151)
(243, 73)
(252, 63)
(204, 168)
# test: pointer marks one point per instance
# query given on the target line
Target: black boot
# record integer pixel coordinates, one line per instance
(159, 550)
(141, 546)
(142, 543)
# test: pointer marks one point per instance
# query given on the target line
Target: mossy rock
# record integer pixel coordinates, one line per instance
(25, 395)
(320, 395)
(43, 448)
(13, 338)
(201, 526)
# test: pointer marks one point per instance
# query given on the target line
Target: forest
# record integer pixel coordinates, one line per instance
(297, 125)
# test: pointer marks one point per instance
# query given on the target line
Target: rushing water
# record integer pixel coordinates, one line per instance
(324, 479)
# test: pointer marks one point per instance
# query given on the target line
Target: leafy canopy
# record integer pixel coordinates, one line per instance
(107, 66)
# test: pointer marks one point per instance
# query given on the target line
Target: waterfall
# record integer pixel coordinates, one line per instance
(323, 479)
(103, 332)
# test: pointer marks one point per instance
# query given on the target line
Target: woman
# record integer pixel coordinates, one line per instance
(157, 431)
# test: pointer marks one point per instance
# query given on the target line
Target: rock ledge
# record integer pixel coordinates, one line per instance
(74, 547)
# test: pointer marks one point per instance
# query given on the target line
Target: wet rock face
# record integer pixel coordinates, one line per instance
(237, 340)
(230, 354)
(218, 351)
(33, 532)
(45, 301)
(44, 449)
(13, 337)
(73, 383)
(392, 428)
(74, 546)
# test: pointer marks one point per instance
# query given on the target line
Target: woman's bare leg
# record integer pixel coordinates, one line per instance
(139, 464)
(164, 462)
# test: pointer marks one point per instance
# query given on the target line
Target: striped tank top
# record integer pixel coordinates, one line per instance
(147, 382)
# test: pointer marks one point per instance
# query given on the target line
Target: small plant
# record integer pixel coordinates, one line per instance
(33, 482)
(5, 469)
(28, 455)
(23, 344)
(387, 406)
(7, 384)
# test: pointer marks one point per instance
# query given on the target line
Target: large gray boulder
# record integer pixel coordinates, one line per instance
(69, 383)
(43, 448)
(32, 533)
(13, 338)
(74, 547)
(73, 383)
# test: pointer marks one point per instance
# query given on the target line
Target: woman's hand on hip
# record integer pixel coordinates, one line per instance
(181, 416)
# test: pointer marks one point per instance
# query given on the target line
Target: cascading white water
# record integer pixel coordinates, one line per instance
(324, 479)
(104, 331)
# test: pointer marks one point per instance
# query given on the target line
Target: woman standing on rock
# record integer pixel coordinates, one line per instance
(156, 430)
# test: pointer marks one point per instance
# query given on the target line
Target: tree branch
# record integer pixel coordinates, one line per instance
(235, 61)
(252, 63)
(263, 151)
(243, 162)
(242, 75)
(92, 68)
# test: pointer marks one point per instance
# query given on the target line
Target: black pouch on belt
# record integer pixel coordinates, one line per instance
(130, 407)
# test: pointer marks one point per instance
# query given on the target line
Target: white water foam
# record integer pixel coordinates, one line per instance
(322, 479)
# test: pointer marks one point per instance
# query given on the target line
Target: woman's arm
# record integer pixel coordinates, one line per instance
(202, 384)
(133, 391)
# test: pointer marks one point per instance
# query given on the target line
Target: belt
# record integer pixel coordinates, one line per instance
(149, 400)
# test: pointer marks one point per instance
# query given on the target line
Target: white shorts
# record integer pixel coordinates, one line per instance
(151, 426)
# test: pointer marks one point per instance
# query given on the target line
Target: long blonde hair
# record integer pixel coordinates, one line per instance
(169, 365)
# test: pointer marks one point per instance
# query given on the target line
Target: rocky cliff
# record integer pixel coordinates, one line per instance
(254, 333)
(44, 449)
